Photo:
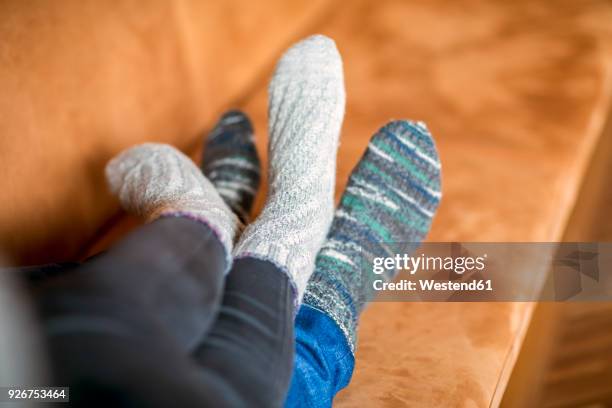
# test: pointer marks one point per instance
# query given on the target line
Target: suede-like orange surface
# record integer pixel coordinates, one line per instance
(82, 79)
(515, 93)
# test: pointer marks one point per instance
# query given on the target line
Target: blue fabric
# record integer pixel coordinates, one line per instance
(323, 360)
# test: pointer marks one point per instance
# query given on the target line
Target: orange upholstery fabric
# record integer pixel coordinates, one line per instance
(515, 93)
(80, 80)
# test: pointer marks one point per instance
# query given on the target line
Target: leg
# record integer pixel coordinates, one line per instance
(157, 182)
(102, 331)
(387, 208)
(176, 263)
(251, 344)
(122, 356)
(323, 362)
(171, 268)
(112, 349)
(116, 325)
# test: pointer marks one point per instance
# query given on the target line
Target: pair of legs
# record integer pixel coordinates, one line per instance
(149, 323)
(339, 289)
(390, 200)
(158, 320)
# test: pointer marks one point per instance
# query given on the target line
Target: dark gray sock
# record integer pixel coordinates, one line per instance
(231, 162)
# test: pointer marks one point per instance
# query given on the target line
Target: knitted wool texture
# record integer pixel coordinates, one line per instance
(231, 162)
(386, 209)
(154, 180)
(306, 108)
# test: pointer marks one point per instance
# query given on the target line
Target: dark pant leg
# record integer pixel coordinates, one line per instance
(251, 344)
(112, 350)
(119, 328)
(122, 359)
(171, 270)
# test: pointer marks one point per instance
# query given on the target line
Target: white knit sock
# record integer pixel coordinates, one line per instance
(306, 108)
(154, 180)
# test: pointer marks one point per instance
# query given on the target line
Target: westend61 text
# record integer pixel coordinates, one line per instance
(433, 285)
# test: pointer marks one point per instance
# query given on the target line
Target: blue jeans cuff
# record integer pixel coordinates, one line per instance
(323, 360)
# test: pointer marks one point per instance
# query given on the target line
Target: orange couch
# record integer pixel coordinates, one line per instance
(515, 93)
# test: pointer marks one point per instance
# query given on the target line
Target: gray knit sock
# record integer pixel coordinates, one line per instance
(154, 180)
(306, 107)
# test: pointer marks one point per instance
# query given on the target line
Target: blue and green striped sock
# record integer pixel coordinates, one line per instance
(387, 207)
(231, 162)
